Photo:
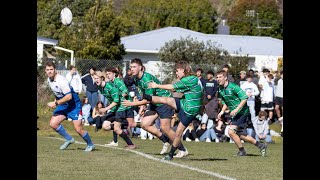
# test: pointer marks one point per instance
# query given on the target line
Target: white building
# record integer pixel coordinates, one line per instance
(262, 51)
(41, 41)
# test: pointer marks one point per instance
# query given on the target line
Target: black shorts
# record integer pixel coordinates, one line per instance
(184, 119)
(266, 106)
(164, 111)
(100, 119)
(123, 115)
(279, 101)
(241, 120)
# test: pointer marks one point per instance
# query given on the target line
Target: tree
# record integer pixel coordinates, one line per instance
(247, 16)
(146, 15)
(203, 55)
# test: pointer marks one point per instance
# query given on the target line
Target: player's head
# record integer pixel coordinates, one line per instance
(98, 77)
(182, 69)
(112, 73)
(222, 77)
(50, 69)
(136, 66)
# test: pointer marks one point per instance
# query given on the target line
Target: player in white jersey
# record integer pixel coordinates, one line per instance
(67, 105)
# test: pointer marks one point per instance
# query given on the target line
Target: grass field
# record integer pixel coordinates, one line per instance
(205, 160)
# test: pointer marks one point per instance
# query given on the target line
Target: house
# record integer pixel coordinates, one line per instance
(41, 41)
(263, 52)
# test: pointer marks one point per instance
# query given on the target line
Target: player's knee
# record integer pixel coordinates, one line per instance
(78, 129)
(232, 130)
(53, 125)
(106, 125)
(144, 125)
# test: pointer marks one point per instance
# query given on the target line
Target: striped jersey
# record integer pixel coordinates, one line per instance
(191, 100)
(112, 94)
(232, 95)
(119, 83)
(143, 82)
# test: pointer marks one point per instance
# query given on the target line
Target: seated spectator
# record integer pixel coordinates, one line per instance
(261, 127)
(98, 118)
(219, 130)
(206, 134)
(190, 133)
(86, 108)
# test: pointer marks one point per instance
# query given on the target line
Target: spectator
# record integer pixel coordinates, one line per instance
(205, 134)
(86, 115)
(279, 100)
(242, 78)
(268, 96)
(91, 87)
(210, 87)
(251, 91)
(261, 127)
(254, 77)
(219, 129)
(226, 68)
(190, 133)
(199, 75)
(74, 79)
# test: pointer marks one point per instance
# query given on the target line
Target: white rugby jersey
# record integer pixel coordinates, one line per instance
(60, 86)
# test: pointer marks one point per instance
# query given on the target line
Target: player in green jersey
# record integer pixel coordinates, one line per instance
(232, 96)
(116, 115)
(187, 107)
(165, 112)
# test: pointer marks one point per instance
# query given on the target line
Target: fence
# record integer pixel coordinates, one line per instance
(44, 93)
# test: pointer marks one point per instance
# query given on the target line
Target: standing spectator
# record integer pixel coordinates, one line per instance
(234, 98)
(199, 75)
(74, 79)
(251, 91)
(91, 87)
(242, 78)
(254, 77)
(279, 100)
(210, 87)
(226, 68)
(268, 96)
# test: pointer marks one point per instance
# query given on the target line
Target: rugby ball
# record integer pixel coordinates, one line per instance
(66, 16)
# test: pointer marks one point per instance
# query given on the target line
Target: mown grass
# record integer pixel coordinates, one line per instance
(107, 163)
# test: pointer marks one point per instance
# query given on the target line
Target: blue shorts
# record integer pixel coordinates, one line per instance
(164, 111)
(123, 115)
(70, 111)
(184, 119)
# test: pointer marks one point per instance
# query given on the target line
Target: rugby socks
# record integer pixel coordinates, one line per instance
(126, 138)
(87, 138)
(181, 147)
(173, 149)
(258, 144)
(164, 138)
(115, 137)
(60, 130)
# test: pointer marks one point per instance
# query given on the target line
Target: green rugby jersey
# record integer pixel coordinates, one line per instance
(232, 95)
(112, 94)
(143, 82)
(118, 83)
(191, 100)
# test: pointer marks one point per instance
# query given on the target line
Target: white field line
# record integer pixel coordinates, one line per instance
(161, 160)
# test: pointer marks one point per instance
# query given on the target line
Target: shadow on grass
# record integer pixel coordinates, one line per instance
(253, 155)
(205, 159)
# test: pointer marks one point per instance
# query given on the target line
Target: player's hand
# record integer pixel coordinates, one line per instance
(152, 85)
(234, 112)
(103, 110)
(220, 114)
(126, 103)
(52, 104)
(209, 96)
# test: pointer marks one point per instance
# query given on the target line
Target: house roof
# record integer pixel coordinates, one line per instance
(152, 41)
(46, 41)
